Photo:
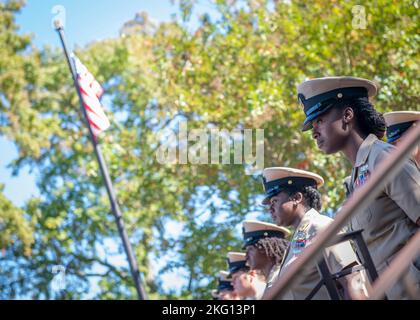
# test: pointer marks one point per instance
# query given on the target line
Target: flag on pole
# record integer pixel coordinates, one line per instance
(91, 92)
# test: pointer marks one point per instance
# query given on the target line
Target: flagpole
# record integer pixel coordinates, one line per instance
(141, 292)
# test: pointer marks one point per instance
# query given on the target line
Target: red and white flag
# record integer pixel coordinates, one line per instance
(91, 92)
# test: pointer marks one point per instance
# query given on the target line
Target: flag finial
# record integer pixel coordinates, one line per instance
(58, 24)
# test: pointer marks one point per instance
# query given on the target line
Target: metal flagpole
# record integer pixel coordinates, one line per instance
(141, 292)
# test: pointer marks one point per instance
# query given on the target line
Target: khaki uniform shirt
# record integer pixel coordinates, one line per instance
(274, 272)
(417, 163)
(337, 257)
(389, 221)
(259, 288)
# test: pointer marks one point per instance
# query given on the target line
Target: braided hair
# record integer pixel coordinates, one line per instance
(273, 247)
(368, 119)
(310, 194)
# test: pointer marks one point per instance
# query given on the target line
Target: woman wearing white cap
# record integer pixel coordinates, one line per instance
(342, 119)
(397, 124)
(248, 283)
(294, 201)
(225, 288)
(265, 245)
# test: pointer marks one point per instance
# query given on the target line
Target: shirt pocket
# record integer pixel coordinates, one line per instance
(399, 291)
(364, 218)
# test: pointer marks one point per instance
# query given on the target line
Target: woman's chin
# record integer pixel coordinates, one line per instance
(324, 149)
(279, 222)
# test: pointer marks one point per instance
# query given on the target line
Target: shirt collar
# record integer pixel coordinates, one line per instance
(306, 219)
(364, 149)
(273, 272)
(310, 212)
(417, 165)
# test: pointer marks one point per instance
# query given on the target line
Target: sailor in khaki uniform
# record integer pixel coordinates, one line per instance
(225, 289)
(249, 284)
(390, 221)
(236, 262)
(214, 294)
(342, 119)
(295, 201)
(397, 123)
(265, 245)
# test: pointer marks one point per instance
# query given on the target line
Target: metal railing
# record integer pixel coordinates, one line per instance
(358, 201)
(396, 269)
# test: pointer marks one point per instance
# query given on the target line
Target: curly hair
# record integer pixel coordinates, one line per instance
(368, 119)
(273, 247)
(311, 195)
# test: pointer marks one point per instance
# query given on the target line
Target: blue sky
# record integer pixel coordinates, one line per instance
(20, 188)
(85, 21)
(90, 20)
